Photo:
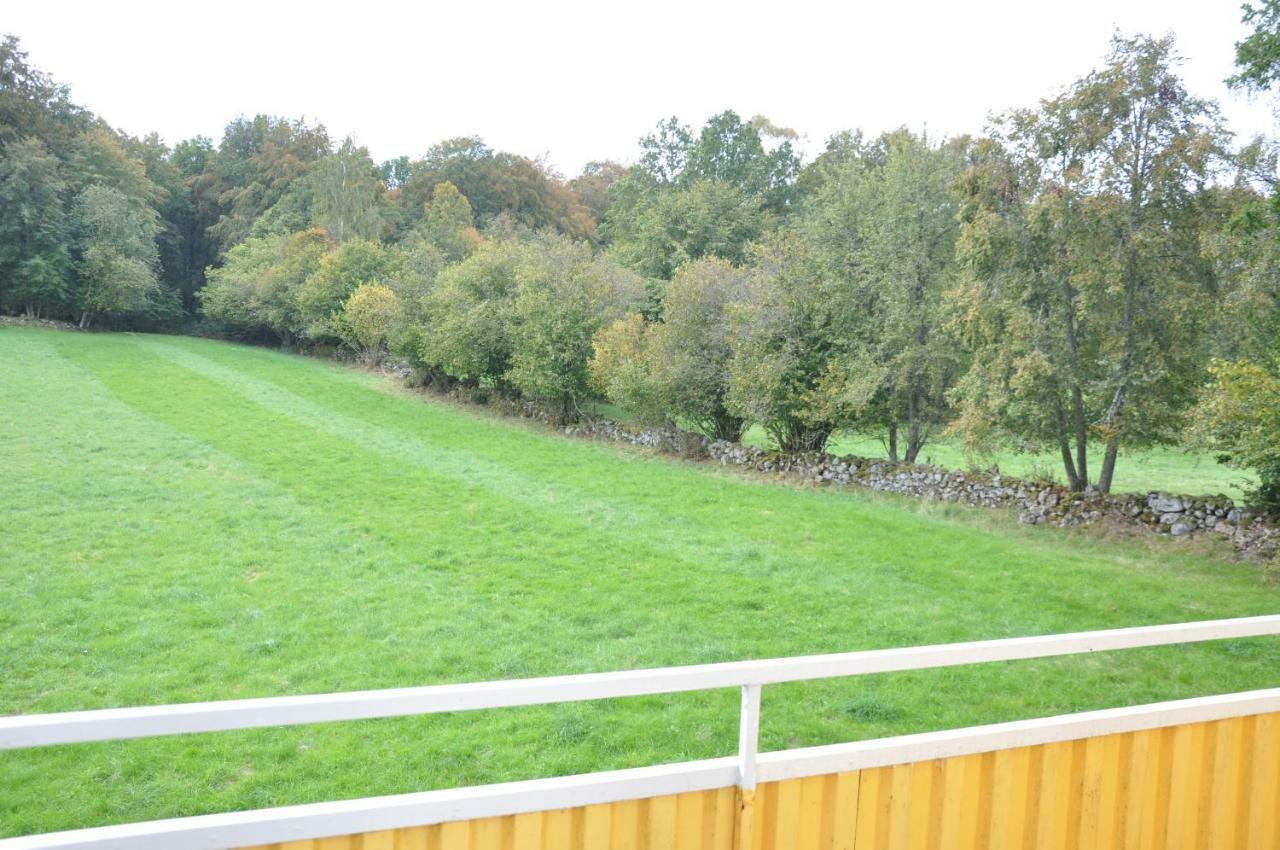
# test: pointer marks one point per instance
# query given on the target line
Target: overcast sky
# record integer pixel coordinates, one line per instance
(583, 80)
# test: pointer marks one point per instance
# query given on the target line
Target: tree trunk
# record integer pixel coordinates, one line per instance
(1109, 463)
(803, 438)
(915, 442)
(893, 442)
(84, 321)
(1074, 480)
(915, 434)
(1082, 435)
(727, 428)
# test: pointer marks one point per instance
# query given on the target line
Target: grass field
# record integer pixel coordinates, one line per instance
(188, 520)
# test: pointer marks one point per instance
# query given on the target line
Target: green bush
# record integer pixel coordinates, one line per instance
(1239, 417)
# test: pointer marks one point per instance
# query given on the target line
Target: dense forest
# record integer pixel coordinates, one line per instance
(1092, 274)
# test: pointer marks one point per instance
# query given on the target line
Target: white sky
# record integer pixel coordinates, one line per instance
(583, 80)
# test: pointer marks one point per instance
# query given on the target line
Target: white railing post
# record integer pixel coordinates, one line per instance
(748, 737)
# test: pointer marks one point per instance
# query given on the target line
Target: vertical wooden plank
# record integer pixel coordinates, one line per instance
(845, 800)
(764, 816)
(1184, 785)
(1224, 815)
(624, 825)
(1164, 789)
(596, 827)
(1091, 792)
(827, 811)
(455, 835)
(662, 823)
(1075, 792)
(1139, 804)
(787, 821)
(920, 805)
(1124, 791)
(1055, 792)
(689, 821)
(809, 814)
(557, 829)
(726, 818)
(875, 805)
(486, 834)
(528, 831)
(1264, 796)
(986, 789)
(899, 807)
(384, 839)
(1011, 793)
(334, 842)
(411, 838)
(960, 804)
(1107, 827)
(1150, 777)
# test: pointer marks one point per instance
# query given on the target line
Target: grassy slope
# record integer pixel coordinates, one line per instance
(188, 520)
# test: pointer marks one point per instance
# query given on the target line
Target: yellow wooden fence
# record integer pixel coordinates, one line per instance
(1196, 786)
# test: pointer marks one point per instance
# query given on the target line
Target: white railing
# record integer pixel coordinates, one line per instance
(241, 829)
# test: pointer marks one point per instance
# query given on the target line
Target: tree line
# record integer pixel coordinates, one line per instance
(1091, 275)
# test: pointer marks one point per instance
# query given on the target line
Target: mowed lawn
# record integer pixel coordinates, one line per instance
(183, 519)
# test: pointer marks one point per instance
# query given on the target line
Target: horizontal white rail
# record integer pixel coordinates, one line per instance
(296, 823)
(116, 723)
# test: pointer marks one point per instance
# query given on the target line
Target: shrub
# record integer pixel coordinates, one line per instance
(619, 369)
(785, 341)
(1239, 417)
(690, 349)
(370, 316)
(564, 295)
(322, 295)
(256, 289)
(465, 327)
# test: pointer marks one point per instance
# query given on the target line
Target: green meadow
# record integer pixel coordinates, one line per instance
(183, 519)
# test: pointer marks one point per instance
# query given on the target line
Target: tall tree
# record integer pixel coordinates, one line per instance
(709, 194)
(102, 157)
(884, 226)
(593, 184)
(34, 261)
(116, 248)
(256, 291)
(494, 183)
(677, 369)
(657, 232)
(448, 224)
(346, 192)
(256, 163)
(786, 340)
(33, 104)
(1258, 54)
(1085, 295)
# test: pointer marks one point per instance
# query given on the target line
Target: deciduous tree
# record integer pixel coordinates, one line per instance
(116, 247)
(34, 235)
